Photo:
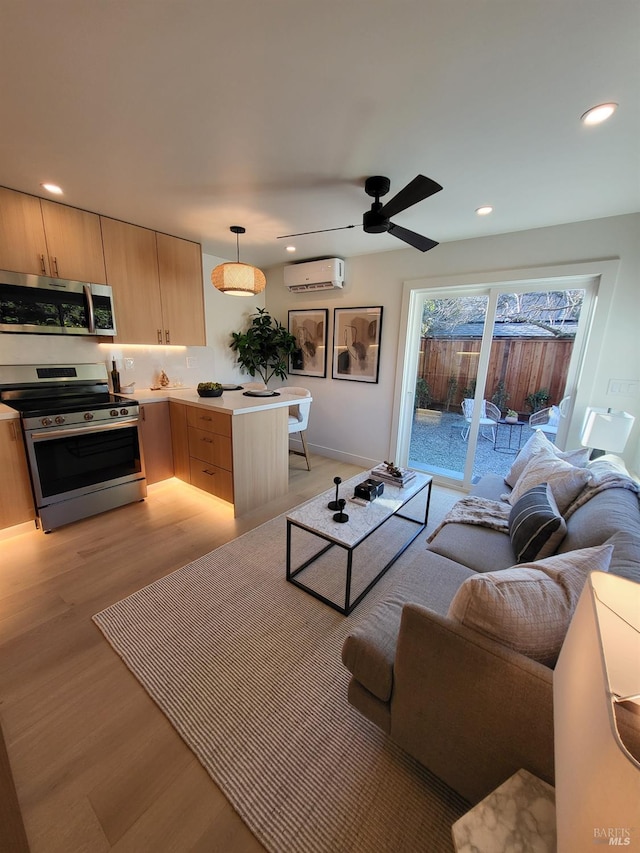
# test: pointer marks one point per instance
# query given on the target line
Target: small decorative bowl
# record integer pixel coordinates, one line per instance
(210, 392)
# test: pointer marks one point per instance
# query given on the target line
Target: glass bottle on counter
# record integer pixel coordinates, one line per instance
(115, 378)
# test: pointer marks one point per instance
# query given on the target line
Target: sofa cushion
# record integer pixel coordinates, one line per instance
(528, 608)
(537, 442)
(612, 516)
(536, 527)
(566, 480)
(480, 548)
(369, 650)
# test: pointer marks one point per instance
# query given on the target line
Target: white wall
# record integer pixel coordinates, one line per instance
(352, 420)
(214, 362)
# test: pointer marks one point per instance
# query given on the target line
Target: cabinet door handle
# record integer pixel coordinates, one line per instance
(43, 265)
(210, 473)
(167, 336)
(12, 430)
(54, 266)
(159, 335)
(142, 412)
(208, 440)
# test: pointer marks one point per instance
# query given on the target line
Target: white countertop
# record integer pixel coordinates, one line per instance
(231, 402)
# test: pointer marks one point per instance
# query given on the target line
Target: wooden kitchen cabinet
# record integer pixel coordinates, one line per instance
(155, 430)
(23, 247)
(243, 459)
(74, 243)
(42, 237)
(202, 449)
(180, 273)
(157, 285)
(131, 262)
(16, 499)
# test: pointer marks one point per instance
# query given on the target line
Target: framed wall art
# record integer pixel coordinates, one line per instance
(309, 328)
(356, 343)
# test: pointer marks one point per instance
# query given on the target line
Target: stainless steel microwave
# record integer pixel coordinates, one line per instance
(36, 304)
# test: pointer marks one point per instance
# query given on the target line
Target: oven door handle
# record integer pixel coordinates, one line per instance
(47, 435)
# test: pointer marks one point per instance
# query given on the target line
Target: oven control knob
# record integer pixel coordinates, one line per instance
(88, 416)
(124, 411)
(114, 413)
(46, 422)
(59, 419)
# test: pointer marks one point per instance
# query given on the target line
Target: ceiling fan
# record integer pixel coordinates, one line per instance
(377, 220)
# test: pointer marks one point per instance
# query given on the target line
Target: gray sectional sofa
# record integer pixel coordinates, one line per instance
(470, 707)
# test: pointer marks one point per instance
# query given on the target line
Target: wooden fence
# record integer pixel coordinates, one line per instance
(524, 366)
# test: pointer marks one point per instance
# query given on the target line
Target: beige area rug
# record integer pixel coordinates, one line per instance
(247, 668)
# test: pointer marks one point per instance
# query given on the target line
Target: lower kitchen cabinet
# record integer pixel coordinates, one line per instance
(16, 499)
(202, 449)
(242, 459)
(155, 429)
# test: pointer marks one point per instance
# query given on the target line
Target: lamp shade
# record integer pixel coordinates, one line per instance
(236, 279)
(596, 693)
(606, 429)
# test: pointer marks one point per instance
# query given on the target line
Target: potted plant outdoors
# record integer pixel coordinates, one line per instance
(511, 416)
(264, 349)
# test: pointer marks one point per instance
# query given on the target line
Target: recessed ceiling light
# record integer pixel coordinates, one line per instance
(484, 210)
(291, 248)
(52, 188)
(597, 114)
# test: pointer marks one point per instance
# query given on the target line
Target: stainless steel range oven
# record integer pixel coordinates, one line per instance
(83, 442)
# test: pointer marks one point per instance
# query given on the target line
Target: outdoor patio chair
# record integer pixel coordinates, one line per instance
(489, 416)
(546, 420)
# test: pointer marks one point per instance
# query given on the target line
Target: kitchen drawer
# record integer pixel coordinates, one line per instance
(212, 479)
(210, 421)
(210, 447)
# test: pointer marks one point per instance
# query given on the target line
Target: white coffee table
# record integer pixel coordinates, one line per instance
(314, 517)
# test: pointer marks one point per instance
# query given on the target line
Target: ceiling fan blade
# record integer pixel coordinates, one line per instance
(410, 237)
(321, 231)
(416, 190)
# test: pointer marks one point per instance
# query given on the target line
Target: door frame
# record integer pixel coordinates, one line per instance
(596, 277)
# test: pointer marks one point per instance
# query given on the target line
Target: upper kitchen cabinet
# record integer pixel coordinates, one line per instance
(180, 270)
(157, 285)
(74, 243)
(45, 238)
(131, 259)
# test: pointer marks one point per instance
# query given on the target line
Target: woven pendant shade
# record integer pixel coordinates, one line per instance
(236, 279)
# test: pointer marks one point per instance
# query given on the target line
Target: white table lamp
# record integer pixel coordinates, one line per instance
(606, 430)
(598, 672)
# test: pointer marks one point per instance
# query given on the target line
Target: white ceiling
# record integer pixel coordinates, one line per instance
(189, 116)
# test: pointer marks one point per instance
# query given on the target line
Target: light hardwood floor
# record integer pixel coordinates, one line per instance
(97, 766)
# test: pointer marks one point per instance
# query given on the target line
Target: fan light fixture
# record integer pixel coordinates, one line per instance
(238, 279)
(598, 114)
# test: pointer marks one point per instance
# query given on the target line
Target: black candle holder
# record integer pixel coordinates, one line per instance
(334, 505)
(341, 517)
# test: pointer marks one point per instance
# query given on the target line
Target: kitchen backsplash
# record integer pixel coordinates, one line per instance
(140, 364)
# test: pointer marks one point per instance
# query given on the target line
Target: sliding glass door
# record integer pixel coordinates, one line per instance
(484, 361)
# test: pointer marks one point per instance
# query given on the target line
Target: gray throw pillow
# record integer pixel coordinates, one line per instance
(528, 608)
(536, 527)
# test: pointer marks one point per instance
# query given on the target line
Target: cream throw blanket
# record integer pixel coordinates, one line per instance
(480, 511)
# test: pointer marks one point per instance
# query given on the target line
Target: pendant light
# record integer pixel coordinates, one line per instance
(238, 279)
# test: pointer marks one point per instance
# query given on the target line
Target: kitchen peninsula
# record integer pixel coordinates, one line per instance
(234, 446)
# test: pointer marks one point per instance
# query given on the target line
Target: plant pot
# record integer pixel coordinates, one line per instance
(511, 420)
(211, 393)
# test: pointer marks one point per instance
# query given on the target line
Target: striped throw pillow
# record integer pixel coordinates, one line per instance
(536, 527)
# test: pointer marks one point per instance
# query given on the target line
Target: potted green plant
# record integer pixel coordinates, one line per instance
(264, 349)
(511, 416)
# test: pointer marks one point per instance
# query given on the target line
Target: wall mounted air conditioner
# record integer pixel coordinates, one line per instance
(314, 275)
